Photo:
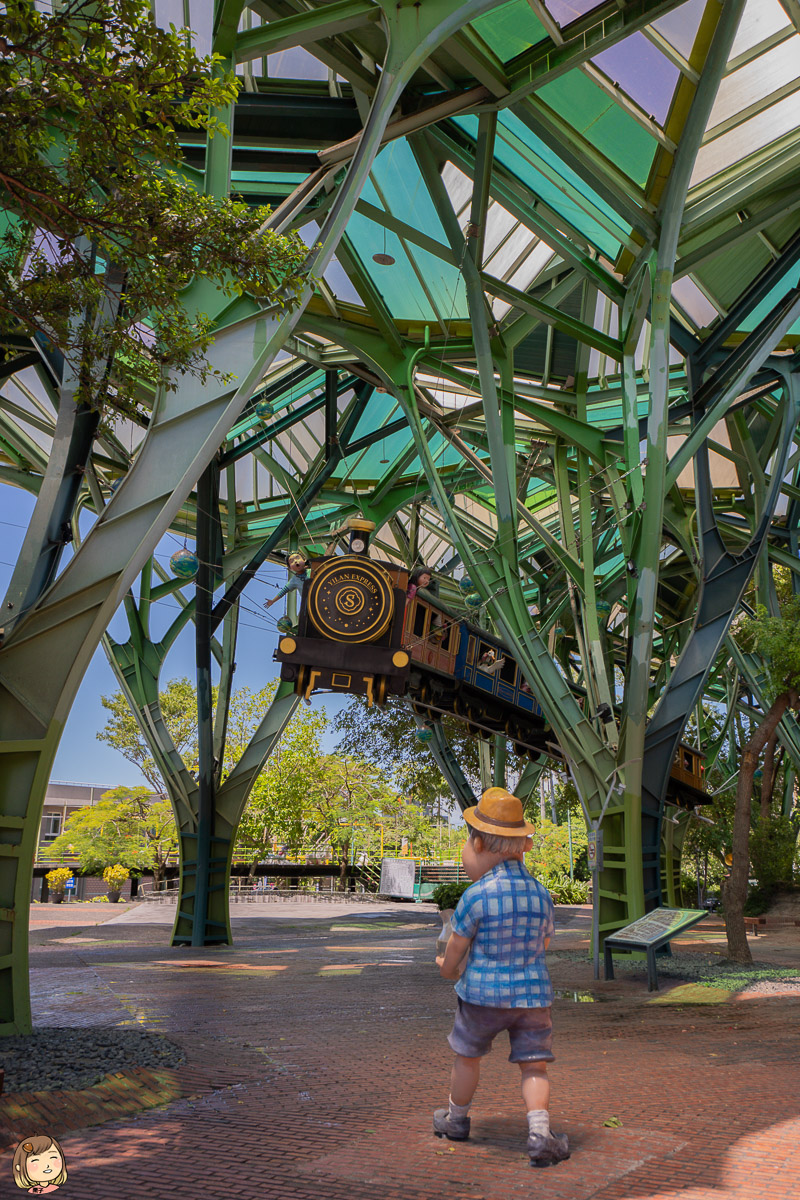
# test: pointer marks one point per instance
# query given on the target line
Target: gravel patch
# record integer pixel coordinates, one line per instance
(710, 970)
(77, 1058)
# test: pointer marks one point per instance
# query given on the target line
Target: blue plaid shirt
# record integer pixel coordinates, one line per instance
(508, 914)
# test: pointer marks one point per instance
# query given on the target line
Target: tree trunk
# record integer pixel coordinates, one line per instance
(734, 888)
(343, 874)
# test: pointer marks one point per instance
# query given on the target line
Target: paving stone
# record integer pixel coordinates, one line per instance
(312, 1083)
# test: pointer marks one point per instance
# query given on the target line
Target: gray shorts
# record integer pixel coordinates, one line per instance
(530, 1031)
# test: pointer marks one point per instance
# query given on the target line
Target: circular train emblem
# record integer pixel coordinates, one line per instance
(350, 599)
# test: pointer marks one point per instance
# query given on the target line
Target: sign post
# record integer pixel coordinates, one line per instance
(649, 934)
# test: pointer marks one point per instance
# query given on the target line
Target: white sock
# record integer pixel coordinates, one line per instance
(458, 1110)
(539, 1121)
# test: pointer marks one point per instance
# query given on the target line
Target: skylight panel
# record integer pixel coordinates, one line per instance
(643, 72)
(566, 11)
(780, 118)
(499, 223)
(680, 26)
(694, 303)
(757, 79)
(535, 262)
(511, 29)
(507, 256)
(296, 63)
(761, 19)
(458, 187)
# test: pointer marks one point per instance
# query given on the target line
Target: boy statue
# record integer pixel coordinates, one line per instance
(501, 929)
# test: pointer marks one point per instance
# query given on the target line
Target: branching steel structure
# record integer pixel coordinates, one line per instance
(551, 342)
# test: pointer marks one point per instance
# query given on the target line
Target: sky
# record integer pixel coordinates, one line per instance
(81, 758)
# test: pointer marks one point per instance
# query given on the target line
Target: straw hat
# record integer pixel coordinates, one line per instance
(499, 812)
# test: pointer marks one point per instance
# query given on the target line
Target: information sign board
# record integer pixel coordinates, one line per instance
(650, 933)
(71, 884)
(397, 877)
(660, 924)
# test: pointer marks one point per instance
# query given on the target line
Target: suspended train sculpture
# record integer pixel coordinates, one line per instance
(358, 632)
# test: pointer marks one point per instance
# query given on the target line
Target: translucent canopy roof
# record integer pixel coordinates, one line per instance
(541, 141)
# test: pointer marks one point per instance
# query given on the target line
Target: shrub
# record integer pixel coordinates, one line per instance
(447, 895)
(772, 849)
(759, 901)
(58, 878)
(115, 877)
(567, 891)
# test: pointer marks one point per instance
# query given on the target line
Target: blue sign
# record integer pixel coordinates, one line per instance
(71, 884)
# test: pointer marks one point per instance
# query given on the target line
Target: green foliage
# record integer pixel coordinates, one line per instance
(447, 895)
(277, 808)
(58, 879)
(777, 640)
(116, 877)
(124, 828)
(122, 732)
(759, 900)
(549, 858)
(92, 177)
(568, 891)
(773, 844)
(387, 737)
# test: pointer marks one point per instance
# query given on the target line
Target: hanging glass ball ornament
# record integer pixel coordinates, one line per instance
(465, 584)
(473, 600)
(284, 625)
(424, 734)
(603, 608)
(184, 564)
(264, 409)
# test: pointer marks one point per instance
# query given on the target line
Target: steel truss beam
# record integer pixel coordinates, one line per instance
(45, 654)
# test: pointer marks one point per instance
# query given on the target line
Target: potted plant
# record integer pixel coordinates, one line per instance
(115, 878)
(446, 896)
(57, 881)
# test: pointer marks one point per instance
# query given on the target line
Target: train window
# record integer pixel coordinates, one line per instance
(419, 620)
(471, 650)
(688, 763)
(448, 630)
(508, 671)
(487, 656)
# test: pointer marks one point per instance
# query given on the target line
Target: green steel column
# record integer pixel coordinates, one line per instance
(645, 562)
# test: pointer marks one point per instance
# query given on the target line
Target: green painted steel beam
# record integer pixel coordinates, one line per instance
(313, 26)
(585, 39)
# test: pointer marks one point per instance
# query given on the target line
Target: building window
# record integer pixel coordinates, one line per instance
(51, 827)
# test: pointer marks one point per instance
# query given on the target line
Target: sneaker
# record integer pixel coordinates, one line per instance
(544, 1150)
(454, 1128)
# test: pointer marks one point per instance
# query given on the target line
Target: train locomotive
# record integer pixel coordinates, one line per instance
(358, 633)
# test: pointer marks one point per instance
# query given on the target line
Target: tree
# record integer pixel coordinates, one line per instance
(99, 202)
(387, 737)
(122, 732)
(347, 798)
(550, 857)
(278, 802)
(125, 828)
(777, 640)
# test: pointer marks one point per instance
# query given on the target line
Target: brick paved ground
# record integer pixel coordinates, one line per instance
(316, 1052)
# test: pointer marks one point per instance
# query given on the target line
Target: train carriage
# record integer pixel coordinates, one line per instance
(358, 633)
